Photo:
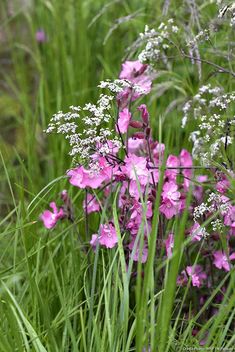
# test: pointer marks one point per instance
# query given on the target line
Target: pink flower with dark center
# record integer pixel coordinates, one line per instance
(135, 72)
(135, 144)
(132, 69)
(91, 205)
(170, 192)
(123, 121)
(50, 218)
(108, 236)
(169, 244)
(221, 261)
(168, 209)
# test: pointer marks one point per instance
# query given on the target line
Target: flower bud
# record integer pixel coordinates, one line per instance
(144, 113)
(147, 132)
(136, 124)
(139, 135)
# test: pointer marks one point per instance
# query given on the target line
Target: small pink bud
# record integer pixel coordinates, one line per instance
(139, 135)
(136, 124)
(144, 113)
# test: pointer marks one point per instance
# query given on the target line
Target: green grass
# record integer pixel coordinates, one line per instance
(56, 294)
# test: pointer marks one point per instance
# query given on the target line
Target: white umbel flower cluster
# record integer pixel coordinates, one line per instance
(156, 41)
(119, 85)
(210, 107)
(84, 128)
(215, 203)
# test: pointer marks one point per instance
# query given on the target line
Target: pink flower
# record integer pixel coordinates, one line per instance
(92, 204)
(132, 69)
(187, 162)
(134, 225)
(136, 168)
(134, 190)
(123, 120)
(222, 185)
(108, 236)
(144, 113)
(198, 189)
(229, 219)
(154, 174)
(138, 256)
(158, 152)
(110, 145)
(169, 244)
(135, 72)
(134, 144)
(123, 98)
(40, 36)
(197, 274)
(221, 260)
(185, 158)
(182, 279)
(196, 232)
(168, 209)
(94, 241)
(137, 211)
(170, 200)
(82, 178)
(50, 218)
(172, 161)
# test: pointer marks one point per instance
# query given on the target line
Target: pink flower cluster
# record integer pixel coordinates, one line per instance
(135, 170)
